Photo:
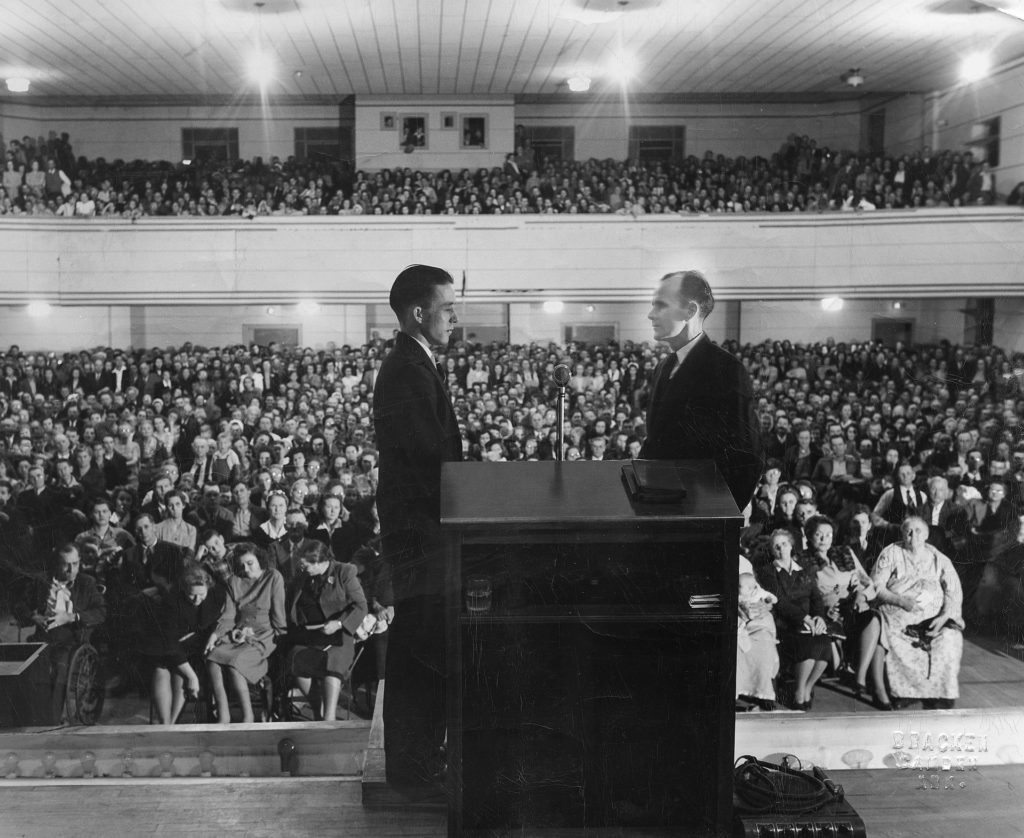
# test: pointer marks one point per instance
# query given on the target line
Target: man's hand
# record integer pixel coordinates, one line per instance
(331, 627)
(61, 618)
(210, 644)
(39, 619)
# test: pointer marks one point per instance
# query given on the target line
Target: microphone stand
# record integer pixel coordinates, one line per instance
(560, 422)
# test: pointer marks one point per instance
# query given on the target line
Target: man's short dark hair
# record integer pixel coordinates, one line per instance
(693, 287)
(415, 287)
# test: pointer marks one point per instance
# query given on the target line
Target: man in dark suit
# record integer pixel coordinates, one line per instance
(947, 522)
(702, 403)
(98, 378)
(65, 607)
(416, 432)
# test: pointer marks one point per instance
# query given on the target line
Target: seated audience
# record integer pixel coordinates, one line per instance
(247, 631)
(757, 659)
(799, 617)
(921, 631)
(173, 638)
(847, 592)
(326, 613)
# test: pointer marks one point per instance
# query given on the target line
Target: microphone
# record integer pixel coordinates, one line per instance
(560, 375)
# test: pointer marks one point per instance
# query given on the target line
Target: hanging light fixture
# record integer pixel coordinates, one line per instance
(260, 64)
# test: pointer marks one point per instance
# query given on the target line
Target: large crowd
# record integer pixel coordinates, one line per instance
(272, 447)
(43, 177)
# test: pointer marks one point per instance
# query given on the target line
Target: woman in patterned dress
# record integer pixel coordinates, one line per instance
(920, 602)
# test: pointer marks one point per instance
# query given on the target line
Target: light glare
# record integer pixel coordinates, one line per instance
(553, 306)
(622, 67)
(18, 85)
(832, 304)
(975, 66)
(261, 68)
(38, 308)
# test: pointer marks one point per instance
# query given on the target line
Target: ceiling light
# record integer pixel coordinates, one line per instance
(832, 304)
(853, 77)
(38, 308)
(17, 85)
(622, 67)
(975, 66)
(591, 308)
(897, 305)
(307, 307)
(1013, 8)
(553, 306)
(270, 310)
(260, 67)
(579, 84)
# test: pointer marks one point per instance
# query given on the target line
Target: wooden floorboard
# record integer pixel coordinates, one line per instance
(891, 803)
(991, 675)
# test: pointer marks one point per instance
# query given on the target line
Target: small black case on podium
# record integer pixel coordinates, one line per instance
(653, 481)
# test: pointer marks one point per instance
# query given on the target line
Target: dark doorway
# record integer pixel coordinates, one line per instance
(890, 331)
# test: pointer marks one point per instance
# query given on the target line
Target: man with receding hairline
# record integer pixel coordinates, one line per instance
(416, 432)
(701, 404)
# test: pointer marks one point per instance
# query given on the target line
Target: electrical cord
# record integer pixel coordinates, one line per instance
(764, 787)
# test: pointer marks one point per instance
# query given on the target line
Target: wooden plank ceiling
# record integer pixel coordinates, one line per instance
(194, 49)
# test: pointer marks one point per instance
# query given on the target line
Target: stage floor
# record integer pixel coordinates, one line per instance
(892, 804)
(991, 675)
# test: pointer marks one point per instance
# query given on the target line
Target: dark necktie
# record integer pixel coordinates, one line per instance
(911, 502)
(666, 374)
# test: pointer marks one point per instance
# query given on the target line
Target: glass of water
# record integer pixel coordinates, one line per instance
(478, 595)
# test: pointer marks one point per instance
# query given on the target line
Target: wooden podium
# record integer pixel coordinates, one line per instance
(594, 687)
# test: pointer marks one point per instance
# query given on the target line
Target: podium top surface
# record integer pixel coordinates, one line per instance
(550, 493)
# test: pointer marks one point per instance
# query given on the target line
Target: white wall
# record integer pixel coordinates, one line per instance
(907, 124)
(221, 325)
(82, 327)
(759, 320)
(1008, 324)
(529, 322)
(154, 132)
(955, 112)
(602, 129)
(353, 259)
(377, 148)
(66, 329)
(775, 320)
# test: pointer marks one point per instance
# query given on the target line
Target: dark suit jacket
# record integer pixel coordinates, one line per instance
(706, 411)
(92, 382)
(416, 431)
(86, 600)
(953, 523)
(341, 599)
(136, 573)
